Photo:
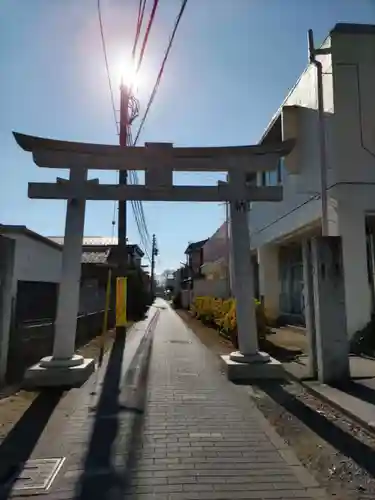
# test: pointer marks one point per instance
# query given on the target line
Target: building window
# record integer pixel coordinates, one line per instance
(281, 170)
(273, 177)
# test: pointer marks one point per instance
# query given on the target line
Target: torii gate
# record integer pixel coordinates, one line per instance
(158, 160)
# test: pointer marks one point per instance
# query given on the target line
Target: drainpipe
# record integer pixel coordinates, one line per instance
(322, 129)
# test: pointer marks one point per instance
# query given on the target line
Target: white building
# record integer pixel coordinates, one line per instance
(277, 229)
(30, 269)
(36, 258)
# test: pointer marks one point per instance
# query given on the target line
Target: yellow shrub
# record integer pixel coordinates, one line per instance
(223, 313)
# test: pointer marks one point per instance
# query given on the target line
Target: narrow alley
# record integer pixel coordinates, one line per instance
(163, 423)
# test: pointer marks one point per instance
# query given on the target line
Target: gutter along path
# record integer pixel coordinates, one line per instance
(164, 423)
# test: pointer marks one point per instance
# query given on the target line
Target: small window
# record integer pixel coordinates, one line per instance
(273, 177)
(281, 170)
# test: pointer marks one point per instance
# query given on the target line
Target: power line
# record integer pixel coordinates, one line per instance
(161, 71)
(112, 99)
(136, 205)
(107, 65)
(141, 13)
(147, 34)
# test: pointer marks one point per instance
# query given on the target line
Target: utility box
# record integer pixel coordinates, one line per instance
(329, 310)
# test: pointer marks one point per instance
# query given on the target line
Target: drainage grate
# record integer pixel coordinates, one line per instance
(179, 341)
(38, 474)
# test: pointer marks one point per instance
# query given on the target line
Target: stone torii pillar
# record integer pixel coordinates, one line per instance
(68, 299)
(158, 161)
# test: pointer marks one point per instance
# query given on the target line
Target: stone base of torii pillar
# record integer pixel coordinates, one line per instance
(65, 368)
(248, 363)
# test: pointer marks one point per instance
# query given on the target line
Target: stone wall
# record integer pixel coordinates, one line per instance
(29, 343)
(210, 288)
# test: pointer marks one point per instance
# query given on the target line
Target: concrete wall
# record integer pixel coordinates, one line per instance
(300, 206)
(91, 297)
(28, 344)
(7, 250)
(36, 261)
(353, 57)
(210, 288)
(349, 83)
(354, 119)
(186, 298)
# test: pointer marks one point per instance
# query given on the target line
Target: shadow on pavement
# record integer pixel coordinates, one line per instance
(121, 401)
(362, 454)
(19, 444)
(281, 353)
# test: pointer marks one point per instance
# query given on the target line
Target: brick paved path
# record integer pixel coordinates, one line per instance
(202, 437)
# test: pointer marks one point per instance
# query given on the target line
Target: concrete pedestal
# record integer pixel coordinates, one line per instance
(51, 372)
(262, 367)
(257, 357)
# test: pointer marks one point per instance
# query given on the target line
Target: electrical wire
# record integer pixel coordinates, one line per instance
(133, 113)
(147, 34)
(137, 206)
(107, 65)
(140, 218)
(104, 47)
(161, 71)
(141, 13)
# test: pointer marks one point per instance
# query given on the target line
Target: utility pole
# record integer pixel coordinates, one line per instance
(313, 52)
(122, 219)
(155, 252)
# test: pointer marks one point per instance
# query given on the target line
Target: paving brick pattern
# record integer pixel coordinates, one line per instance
(203, 438)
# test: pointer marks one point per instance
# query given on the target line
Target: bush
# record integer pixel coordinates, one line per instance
(222, 314)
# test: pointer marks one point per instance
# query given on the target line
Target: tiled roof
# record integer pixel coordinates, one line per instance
(99, 241)
(88, 240)
(98, 249)
(95, 257)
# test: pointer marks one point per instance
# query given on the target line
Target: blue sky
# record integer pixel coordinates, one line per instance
(232, 63)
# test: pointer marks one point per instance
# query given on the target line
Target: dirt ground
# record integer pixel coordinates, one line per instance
(208, 336)
(282, 343)
(14, 405)
(286, 344)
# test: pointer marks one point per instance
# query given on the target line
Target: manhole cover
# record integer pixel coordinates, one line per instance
(38, 474)
(179, 341)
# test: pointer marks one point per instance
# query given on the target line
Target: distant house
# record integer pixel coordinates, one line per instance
(104, 250)
(98, 254)
(216, 254)
(194, 257)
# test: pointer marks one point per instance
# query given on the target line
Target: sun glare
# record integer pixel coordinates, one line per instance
(126, 74)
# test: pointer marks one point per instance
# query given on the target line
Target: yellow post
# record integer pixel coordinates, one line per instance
(121, 292)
